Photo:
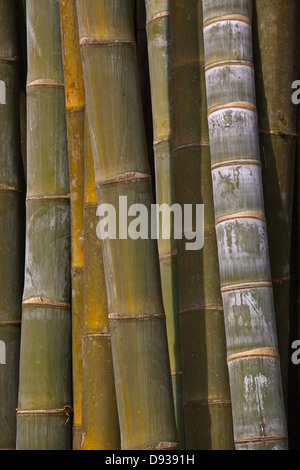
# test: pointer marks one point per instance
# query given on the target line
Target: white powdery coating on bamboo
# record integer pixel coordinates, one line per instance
(233, 134)
(238, 187)
(236, 45)
(249, 316)
(226, 82)
(243, 251)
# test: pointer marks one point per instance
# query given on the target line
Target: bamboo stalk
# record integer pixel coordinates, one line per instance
(21, 14)
(276, 63)
(159, 53)
(12, 224)
(246, 282)
(136, 315)
(143, 68)
(75, 115)
(100, 424)
(208, 415)
(44, 406)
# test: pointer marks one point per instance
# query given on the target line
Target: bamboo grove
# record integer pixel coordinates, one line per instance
(137, 342)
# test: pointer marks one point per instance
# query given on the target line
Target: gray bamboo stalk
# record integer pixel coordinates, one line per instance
(246, 282)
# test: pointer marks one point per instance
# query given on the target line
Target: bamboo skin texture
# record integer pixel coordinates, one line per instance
(246, 282)
(276, 55)
(75, 116)
(44, 412)
(159, 53)
(136, 316)
(207, 407)
(100, 415)
(12, 224)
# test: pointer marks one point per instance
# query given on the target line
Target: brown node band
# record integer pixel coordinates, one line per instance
(254, 353)
(234, 104)
(217, 19)
(157, 16)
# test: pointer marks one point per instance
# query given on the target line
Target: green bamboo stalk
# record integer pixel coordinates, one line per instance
(276, 22)
(143, 68)
(136, 316)
(75, 115)
(12, 224)
(159, 53)
(100, 424)
(21, 14)
(246, 282)
(208, 418)
(44, 407)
